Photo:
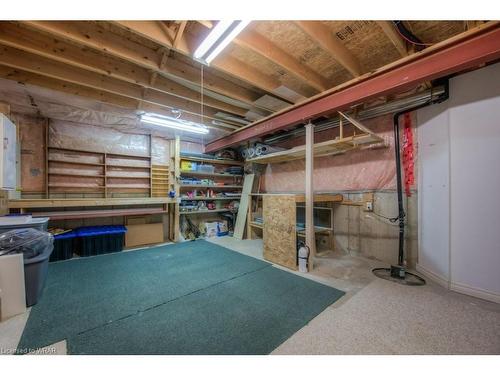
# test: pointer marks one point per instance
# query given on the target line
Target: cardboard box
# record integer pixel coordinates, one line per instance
(144, 234)
(216, 228)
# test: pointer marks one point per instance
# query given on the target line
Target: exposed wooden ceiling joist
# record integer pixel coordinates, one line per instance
(40, 45)
(264, 47)
(179, 34)
(321, 34)
(83, 34)
(238, 69)
(390, 31)
(460, 53)
(17, 59)
(97, 95)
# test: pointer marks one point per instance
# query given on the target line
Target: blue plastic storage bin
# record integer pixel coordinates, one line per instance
(64, 246)
(103, 239)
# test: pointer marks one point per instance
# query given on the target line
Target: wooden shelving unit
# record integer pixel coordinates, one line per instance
(233, 182)
(97, 172)
(362, 137)
(160, 181)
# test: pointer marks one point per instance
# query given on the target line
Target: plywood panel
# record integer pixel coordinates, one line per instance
(279, 230)
(143, 234)
(243, 207)
(32, 140)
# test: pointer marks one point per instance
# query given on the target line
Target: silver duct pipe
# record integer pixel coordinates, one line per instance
(368, 113)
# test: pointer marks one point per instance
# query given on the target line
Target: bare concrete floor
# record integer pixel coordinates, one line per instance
(374, 317)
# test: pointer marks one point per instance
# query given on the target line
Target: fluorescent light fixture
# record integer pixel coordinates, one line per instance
(218, 39)
(212, 38)
(173, 123)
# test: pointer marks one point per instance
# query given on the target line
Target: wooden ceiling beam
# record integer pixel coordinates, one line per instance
(38, 65)
(83, 34)
(21, 38)
(28, 78)
(322, 35)
(229, 66)
(179, 34)
(256, 42)
(390, 31)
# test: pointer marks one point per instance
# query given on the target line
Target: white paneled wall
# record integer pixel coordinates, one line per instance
(459, 185)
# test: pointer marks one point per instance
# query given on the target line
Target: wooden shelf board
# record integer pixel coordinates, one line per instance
(75, 162)
(212, 199)
(214, 161)
(126, 187)
(75, 186)
(332, 147)
(300, 198)
(196, 173)
(212, 186)
(204, 211)
(127, 166)
(97, 152)
(75, 175)
(256, 225)
(86, 202)
(66, 215)
(129, 177)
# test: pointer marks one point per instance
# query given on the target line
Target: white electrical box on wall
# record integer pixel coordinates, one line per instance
(8, 154)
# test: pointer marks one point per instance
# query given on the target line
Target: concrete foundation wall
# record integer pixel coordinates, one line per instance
(365, 233)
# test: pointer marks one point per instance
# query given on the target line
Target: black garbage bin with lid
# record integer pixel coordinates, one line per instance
(36, 247)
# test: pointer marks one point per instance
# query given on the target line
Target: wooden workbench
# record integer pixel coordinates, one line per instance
(32, 206)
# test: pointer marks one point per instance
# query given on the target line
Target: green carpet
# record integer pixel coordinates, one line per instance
(187, 298)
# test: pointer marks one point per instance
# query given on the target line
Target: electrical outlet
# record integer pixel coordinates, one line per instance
(369, 206)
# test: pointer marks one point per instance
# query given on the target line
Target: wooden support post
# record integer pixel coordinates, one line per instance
(4, 210)
(309, 194)
(176, 174)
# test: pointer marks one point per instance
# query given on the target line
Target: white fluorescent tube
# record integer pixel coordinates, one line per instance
(223, 44)
(174, 123)
(212, 38)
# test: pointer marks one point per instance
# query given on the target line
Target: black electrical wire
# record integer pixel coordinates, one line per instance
(391, 219)
(408, 35)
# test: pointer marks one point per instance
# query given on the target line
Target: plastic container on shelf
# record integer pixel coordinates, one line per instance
(36, 247)
(206, 168)
(103, 239)
(64, 246)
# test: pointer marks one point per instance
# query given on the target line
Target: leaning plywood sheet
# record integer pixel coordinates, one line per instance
(279, 230)
(239, 227)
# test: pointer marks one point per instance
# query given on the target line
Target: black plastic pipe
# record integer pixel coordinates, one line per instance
(399, 183)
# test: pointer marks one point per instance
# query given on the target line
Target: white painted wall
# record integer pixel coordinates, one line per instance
(459, 166)
(434, 190)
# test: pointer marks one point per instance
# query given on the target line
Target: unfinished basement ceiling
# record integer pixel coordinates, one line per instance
(36, 101)
(136, 66)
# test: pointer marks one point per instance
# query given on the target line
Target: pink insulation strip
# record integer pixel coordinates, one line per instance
(355, 170)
